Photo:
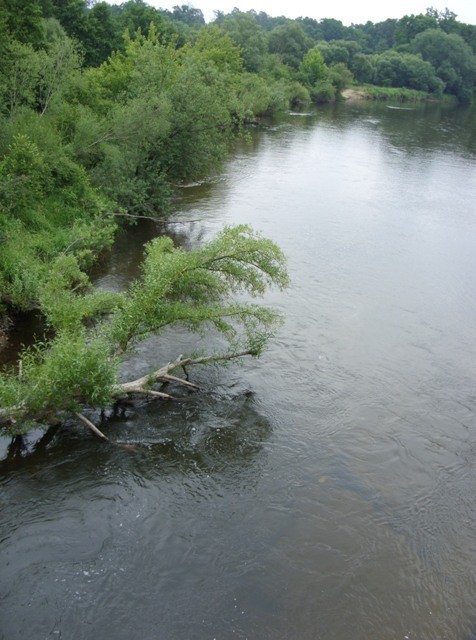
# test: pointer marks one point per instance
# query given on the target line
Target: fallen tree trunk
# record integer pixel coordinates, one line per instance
(10, 417)
(143, 384)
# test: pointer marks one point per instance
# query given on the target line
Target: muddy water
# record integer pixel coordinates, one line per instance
(326, 491)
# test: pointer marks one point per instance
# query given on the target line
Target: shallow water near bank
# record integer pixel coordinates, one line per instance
(325, 491)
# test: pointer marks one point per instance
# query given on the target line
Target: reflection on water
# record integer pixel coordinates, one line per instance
(23, 331)
(326, 491)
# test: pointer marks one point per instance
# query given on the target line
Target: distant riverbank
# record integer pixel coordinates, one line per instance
(401, 94)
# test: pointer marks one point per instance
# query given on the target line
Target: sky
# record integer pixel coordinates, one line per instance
(348, 11)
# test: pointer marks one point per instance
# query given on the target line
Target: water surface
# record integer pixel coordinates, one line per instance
(325, 491)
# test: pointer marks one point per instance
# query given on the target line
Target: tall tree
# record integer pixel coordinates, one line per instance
(313, 69)
(248, 35)
(332, 29)
(410, 26)
(72, 15)
(289, 42)
(21, 20)
(137, 14)
(188, 15)
(452, 59)
(101, 36)
(214, 45)
(379, 36)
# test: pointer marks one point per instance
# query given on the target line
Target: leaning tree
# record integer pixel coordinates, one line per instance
(78, 367)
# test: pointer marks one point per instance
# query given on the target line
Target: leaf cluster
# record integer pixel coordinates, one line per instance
(198, 288)
(59, 375)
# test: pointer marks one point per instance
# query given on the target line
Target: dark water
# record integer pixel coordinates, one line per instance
(324, 492)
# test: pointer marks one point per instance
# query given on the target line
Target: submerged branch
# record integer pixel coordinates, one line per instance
(101, 435)
(156, 394)
(92, 427)
(169, 378)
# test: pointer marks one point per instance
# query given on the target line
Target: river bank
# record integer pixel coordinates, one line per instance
(372, 92)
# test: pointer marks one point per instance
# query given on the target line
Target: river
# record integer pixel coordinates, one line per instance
(326, 491)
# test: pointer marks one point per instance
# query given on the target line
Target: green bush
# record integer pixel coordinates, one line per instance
(324, 91)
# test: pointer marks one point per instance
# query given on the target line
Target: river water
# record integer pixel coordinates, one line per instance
(326, 491)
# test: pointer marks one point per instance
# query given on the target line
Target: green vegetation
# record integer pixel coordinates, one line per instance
(194, 289)
(105, 109)
(392, 94)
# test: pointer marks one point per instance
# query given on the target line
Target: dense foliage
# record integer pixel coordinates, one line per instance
(104, 109)
(79, 365)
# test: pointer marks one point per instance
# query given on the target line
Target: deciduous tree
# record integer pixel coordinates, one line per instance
(452, 59)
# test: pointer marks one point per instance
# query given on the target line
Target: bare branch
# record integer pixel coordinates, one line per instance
(156, 394)
(92, 427)
(141, 384)
(170, 378)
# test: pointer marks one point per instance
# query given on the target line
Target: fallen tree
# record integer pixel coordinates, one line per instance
(79, 367)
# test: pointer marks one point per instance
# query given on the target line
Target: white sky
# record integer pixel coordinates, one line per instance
(356, 11)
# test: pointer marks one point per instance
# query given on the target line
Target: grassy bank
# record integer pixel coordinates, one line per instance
(394, 94)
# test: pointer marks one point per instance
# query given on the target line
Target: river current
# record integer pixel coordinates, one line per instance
(326, 491)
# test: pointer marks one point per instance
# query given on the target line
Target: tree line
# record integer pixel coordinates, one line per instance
(105, 109)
